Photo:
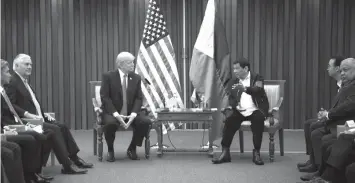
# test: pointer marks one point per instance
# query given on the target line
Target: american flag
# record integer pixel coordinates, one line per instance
(156, 63)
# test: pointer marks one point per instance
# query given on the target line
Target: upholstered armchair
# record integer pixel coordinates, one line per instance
(275, 93)
(98, 125)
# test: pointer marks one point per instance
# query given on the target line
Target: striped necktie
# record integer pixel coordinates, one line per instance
(11, 107)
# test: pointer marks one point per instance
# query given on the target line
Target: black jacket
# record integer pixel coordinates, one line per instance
(257, 93)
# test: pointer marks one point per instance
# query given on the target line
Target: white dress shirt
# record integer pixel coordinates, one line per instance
(33, 96)
(115, 114)
(246, 102)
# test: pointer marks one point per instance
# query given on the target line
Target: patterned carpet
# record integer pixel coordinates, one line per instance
(186, 167)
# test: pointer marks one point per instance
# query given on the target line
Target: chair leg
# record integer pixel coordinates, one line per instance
(52, 158)
(271, 147)
(95, 141)
(147, 143)
(100, 144)
(281, 139)
(241, 141)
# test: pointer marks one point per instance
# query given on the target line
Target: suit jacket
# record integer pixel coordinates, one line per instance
(20, 97)
(111, 93)
(7, 118)
(343, 106)
(257, 93)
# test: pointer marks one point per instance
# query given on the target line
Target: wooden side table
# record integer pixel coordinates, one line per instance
(184, 116)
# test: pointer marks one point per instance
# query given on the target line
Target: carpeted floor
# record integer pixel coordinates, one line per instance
(187, 167)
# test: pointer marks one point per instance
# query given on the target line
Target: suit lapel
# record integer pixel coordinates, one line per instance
(22, 88)
(252, 78)
(130, 85)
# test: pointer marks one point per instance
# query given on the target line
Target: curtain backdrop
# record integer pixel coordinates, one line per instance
(73, 42)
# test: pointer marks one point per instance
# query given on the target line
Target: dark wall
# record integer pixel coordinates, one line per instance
(74, 41)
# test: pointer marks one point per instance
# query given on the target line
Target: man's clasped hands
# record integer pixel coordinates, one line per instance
(121, 119)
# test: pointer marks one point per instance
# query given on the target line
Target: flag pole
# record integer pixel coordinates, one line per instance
(184, 56)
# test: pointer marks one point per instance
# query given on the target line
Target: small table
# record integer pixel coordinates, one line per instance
(184, 116)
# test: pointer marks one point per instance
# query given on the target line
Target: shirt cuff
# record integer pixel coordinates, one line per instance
(115, 114)
(97, 109)
(327, 115)
(134, 114)
(24, 114)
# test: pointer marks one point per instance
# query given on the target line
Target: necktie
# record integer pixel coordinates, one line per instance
(34, 100)
(124, 95)
(7, 100)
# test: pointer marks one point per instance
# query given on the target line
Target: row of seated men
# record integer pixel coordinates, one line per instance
(332, 158)
(25, 152)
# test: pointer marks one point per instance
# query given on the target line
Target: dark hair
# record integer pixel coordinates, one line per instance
(243, 62)
(337, 60)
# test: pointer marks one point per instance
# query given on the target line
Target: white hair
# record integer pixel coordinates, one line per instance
(124, 56)
(18, 59)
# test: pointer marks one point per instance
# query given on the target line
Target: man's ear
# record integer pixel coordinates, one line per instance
(259, 84)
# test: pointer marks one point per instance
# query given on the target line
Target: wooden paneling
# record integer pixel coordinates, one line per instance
(74, 41)
(286, 39)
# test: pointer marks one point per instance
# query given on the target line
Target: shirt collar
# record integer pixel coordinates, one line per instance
(339, 83)
(248, 77)
(23, 79)
(1, 89)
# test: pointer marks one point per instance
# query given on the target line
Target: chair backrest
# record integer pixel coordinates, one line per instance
(95, 93)
(275, 90)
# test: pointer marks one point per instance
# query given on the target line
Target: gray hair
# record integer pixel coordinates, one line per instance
(4, 64)
(124, 56)
(18, 59)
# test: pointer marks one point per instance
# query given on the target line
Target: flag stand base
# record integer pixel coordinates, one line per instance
(155, 146)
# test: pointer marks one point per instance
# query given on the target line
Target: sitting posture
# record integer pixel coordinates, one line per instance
(248, 102)
(24, 102)
(121, 97)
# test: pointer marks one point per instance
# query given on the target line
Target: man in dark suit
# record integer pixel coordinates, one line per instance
(337, 159)
(26, 105)
(248, 102)
(121, 97)
(313, 124)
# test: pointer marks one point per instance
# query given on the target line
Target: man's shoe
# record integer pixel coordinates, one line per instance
(310, 176)
(45, 177)
(39, 179)
(73, 169)
(257, 158)
(309, 169)
(224, 157)
(132, 154)
(82, 164)
(110, 157)
(299, 165)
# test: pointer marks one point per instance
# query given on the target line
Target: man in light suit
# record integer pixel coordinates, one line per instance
(27, 105)
(121, 97)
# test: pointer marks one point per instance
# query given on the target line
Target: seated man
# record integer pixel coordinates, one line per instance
(248, 88)
(25, 104)
(121, 95)
(337, 158)
(20, 157)
(312, 124)
(343, 109)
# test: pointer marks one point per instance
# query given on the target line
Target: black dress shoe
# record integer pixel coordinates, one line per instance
(110, 157)
(299, 165)
(309, 169)
(38, 179)
(45, 177)
(82, 164)
(224, 157)
(73, 169)
(257, 158)
(310, 176)
(132, 154)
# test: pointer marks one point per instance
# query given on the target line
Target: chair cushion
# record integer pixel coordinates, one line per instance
(266, 123)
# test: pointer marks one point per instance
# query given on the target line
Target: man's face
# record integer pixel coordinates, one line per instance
(5, 75)
(126, 65)
(332, 70)
(239, 71)
(24, 68)
(347, 69)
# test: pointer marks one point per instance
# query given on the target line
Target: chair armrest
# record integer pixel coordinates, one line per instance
(3, 137)
(275, 110)
(33, 121)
